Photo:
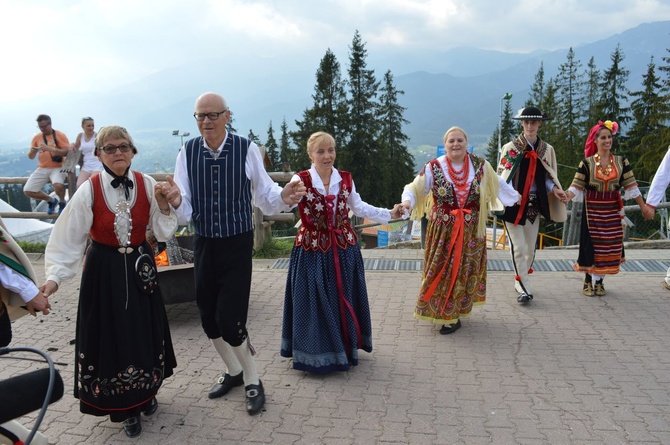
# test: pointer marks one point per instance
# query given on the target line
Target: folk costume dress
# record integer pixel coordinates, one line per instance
(454, 274)
(326, 309)
(123, 346)
(601, 237)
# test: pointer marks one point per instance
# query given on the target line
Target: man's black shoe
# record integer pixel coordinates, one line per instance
(524, 298)
(255, 398)
(226, 383)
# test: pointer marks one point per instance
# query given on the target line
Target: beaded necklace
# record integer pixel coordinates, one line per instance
(603, 171)
(460, 179)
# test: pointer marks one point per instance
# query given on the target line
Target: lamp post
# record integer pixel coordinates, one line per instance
(182, 136)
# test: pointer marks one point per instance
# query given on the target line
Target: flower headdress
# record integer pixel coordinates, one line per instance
(590, 147)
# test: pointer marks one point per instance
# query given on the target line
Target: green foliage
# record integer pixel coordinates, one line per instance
(275, 248)
(32, 247)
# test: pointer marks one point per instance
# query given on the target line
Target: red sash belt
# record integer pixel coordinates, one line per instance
(455, 251)
(529, 182)
(344, 304)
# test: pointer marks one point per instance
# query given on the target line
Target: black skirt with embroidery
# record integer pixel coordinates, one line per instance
(123, 345)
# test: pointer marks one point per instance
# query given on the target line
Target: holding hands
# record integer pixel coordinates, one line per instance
(293, 192)
(167, 193)
(648, 211)
(39, 303)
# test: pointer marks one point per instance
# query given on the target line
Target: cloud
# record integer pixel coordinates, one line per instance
(81, 45)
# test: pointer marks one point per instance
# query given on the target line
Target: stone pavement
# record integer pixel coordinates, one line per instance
(565, 369)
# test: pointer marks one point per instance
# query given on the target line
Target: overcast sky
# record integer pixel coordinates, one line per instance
(59, 45)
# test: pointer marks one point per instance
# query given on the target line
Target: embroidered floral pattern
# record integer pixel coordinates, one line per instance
(129, 379)
(2, 237)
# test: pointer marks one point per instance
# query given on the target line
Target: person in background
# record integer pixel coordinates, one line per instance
(86, 143)
(123, 347)
(529, 164)
(601, 179)
(50, 146)
(456, 190)
(17, 286)
(657, 194)
(326, 310)
(221, 177)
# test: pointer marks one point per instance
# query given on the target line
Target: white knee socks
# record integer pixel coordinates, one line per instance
(228, 356)
(244, 357)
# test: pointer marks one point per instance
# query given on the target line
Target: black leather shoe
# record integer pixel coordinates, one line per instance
(153, 406)
(450, 328)
(132, 426)
(255, 398)
(524, 298)
(226, 383)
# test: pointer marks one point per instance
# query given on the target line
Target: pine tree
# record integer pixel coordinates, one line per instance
(536, 96)
(613, 94)
(329, 109)
(589, 102)
(569, 82)
(509, 132)
(286, 153)
(648, 113)
(361, 154)
(398, 169)
(272, 149)
(253, 138)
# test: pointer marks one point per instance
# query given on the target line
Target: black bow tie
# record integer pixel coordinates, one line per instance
(125, 181)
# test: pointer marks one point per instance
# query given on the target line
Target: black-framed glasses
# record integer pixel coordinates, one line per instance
(111, 149)
(212, 116)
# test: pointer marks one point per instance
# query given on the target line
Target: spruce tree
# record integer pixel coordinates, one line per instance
(360, 155)
(589, 102)
(272, 149)
(398, 168)
(614, 94)
(569, 81)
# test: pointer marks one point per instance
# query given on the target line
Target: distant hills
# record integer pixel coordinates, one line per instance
(461, 86)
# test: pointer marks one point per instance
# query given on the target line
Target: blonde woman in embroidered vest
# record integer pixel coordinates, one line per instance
(455, 191)
(601, 180)
(326, 310)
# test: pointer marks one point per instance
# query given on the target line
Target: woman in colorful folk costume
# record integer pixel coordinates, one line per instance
(455, 191)
(326, 310)
(123, 346)
(601, 179)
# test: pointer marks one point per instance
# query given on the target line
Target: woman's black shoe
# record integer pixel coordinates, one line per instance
(449, 329)
(132, 426)
(153, 406)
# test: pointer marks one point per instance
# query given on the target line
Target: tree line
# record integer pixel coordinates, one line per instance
(577, 98)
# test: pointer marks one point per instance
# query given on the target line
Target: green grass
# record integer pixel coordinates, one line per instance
(32, 247)
(275, 248)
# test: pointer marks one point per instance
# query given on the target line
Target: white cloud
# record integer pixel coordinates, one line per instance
(79, 45)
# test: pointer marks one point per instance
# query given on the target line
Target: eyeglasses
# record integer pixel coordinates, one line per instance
(211, 116)
(111, 149)
(43, 126)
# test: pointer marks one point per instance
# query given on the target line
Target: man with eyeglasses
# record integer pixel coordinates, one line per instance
(221, 177)
(50, 146)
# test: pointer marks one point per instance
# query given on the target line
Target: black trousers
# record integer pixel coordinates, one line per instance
(5, 326)
(223, 284)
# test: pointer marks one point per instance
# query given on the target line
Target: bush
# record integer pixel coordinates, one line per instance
(32, 247)
(275, 248)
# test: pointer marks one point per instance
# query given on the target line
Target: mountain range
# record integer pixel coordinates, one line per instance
(461, 86)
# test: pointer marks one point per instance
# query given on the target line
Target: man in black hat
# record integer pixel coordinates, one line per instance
(529, 164)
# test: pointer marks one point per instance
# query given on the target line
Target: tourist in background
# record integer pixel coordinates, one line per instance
(456, 191)
(601, 179)
(326, 310)
(123, 348)
(50, 147)
(528, 163)
(86, 143)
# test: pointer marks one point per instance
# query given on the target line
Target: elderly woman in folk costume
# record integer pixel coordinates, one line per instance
(601, 179)
(455, 191)
(123, 347)
(528, 163)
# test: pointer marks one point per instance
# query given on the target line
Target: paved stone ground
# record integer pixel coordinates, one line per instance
(565, 369)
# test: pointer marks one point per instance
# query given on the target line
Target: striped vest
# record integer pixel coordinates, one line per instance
(220, 189)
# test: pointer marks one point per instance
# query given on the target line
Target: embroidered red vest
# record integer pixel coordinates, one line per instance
(314, 233)
(102, 229)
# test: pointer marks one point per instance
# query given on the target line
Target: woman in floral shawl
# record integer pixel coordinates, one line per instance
(455, 191)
